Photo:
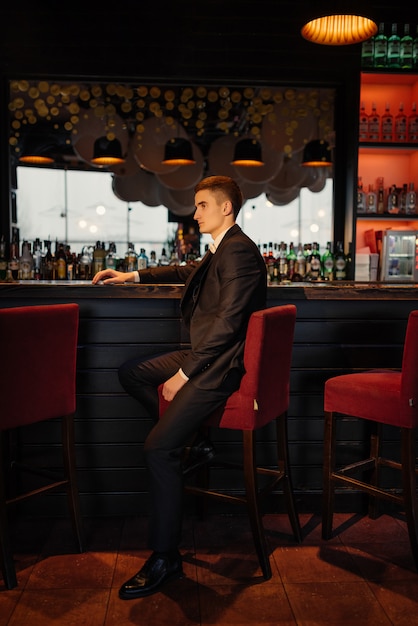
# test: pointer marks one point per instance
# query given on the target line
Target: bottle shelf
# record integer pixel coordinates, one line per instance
(388, 216)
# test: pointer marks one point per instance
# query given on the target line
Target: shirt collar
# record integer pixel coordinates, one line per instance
(215, 244)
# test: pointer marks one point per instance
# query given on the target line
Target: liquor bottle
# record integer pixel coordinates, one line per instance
(401, 126)
(374, 125)
(361, 197)
(380, 47)
(387, 124)
(315, 262)
(61, 263)
(394, 48)
(380, 195)
(37, 259)
(367, 53)
(142, 259)
(327, 263)
(282, 261)
(3, 260)
(415, 50)
(174, 258)
(47, 261)
(371, 200)
(164, 260)
(402, 198)
(291, 261)
(405, 53)
(392, 202)
(131, 259)
(85, 264)
(307, 251)
(26, 262)
(340, 262)
(13, 265)
(413, 125)
(99, 256)
(300, 269)
(152, 259)
(363, 123)
(270, 262)
(411, 200)
(111, 259)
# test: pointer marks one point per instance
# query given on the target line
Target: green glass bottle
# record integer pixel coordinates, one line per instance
(327, 263)
(380, 47)
(394, 48)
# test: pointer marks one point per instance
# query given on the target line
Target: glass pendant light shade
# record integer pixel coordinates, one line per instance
(36, 159)
(317, 153)
(339, 23)
(36, 152)
(178, 151)
(247, 153)
(107, 152)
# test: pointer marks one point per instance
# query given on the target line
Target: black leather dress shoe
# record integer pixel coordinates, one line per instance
(158, 570)
(199, 454)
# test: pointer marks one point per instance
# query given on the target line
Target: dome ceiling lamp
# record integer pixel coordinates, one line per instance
(248, 153)
(107, 152)
(339, 23)
(178, 151)
(317, 153)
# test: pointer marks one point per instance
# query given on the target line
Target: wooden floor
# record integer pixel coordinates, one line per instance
(365, 575)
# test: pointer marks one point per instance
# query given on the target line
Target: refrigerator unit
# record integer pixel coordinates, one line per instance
(399, 257)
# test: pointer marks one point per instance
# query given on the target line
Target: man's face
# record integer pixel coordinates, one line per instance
(210, 213)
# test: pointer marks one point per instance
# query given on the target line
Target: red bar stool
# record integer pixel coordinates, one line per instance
(35, 387)
(263, 397)
(382, 397)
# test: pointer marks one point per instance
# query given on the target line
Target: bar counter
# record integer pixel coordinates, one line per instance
(340, 328)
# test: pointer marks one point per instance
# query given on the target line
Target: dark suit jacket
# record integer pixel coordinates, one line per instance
(219, 296)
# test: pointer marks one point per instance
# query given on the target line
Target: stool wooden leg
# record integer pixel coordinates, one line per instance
(67, 425)
(409, 482)
(329, 468)
(374, 473)
(6, 555)
(250, 477)
(283, 465)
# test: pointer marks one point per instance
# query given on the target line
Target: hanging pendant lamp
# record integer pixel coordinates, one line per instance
(247, 153)
(317, 153)
(178, 151)
(107, 152)
(339, 23)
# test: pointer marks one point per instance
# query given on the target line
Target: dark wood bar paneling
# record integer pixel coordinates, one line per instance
(339, 329)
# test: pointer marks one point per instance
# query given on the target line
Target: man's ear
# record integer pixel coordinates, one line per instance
(227, 207)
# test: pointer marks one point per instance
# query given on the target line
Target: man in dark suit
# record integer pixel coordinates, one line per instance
(220, 294)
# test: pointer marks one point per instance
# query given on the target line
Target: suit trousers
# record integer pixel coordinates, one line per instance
(164, 445)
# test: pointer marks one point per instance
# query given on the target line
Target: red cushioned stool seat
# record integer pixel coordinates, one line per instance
(263, 397)
(381, 397)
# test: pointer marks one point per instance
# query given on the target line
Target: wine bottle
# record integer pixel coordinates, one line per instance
(315, 262)
(340, 262)
(327, 263)
(291, 261)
